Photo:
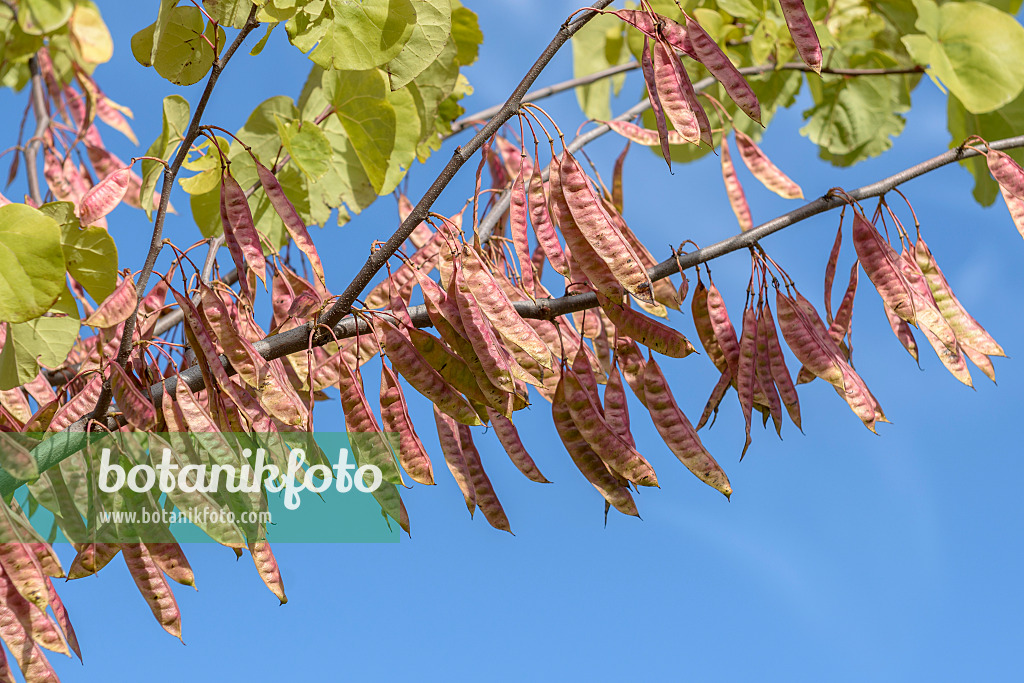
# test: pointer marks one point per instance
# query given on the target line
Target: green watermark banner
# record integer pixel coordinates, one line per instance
(229, 488)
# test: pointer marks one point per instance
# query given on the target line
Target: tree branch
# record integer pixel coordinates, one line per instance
(500, 206)
(156, 243)
(42, 123)
(64, 444)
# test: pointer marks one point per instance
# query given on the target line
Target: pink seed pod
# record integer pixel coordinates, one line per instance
(830, 272)
(518, 215)
(763, 371)
(647, 331)
(616, 407)
(678, 434)
(16, 459)
(486, 498)
(542, 226)
(715, 400)
(1016, 207)
(968, 331)
(91, 558)
(268, 569)
(510, 440)
(240, 233)
(734, 190)
(651, 80)
(809, 342)
(881, 264)
(745, 369)
(171, 560)
(64, 620)
(451, 447)
(394, 415)
(724, 332)
(31, 660)
(153, 586)
(631, 362)
(928, 315)
(764, 170)
(641, 135)
(840, 327)
(137, 408)
(652, 24)
(670, 90)
(79, 405)
(802, 30)
(292, 222)
(1006, 172)
(983, 362)
(779, 371)
(711, 56)
(901, 328)
(598, 231)
(586, 460)
(118, 305)
(104, 197)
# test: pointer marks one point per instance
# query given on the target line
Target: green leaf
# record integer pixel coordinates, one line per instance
(31, 263)
(307, 145)
(742, 9)
(206, 212)
(163, 16)
(588, 56)
(208, 164)
(975, 50)
(175, 125)
(407, 137)
(91, 258)
(231, 13)
(467, 34)
(37, 17)
(369, 120)
(181, 52)
(258, 47)
(43, 341)
(429, 36)
(364, 35)
(1001, 123)
(855, 118)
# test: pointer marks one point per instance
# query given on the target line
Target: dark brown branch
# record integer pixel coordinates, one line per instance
(65, 443)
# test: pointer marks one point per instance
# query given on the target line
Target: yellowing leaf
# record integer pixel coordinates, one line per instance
(31, 263)
(44, 16)
(975, 50)
(429, 35)
(43, 341)
(90, 34)
(175, 122)
(369, 120)
(364, 35)
(307, 145)
(91, 257)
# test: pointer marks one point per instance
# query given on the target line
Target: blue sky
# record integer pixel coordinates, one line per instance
(842, 555)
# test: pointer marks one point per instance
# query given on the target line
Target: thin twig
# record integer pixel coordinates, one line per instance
(501, 203)
(42, 123)
(125, 349)
(63, 444)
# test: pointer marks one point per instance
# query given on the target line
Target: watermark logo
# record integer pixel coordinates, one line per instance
(168, 476)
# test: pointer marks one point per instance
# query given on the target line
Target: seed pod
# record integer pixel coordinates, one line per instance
(711, 56)
(927, 312)
(677, 432)
(451, 367)
(840, 327)
(486, 498)
(745, 370)
(901, 328)
(269, 571)
(641, 135)
(724, 332)
(664, 292)
(290, 217)
(478, 330)
(734, 190)
(104, 196)
(63, 620)
(118, 305)
(31, 660)
(777, 364)
(968, 331)
(240, 233)
(670, 90)
(764, 170)
(510, 440)
(370, 447)
(1006, 172)
(35, 621)
(1016, 206)
(137, 409)
(811, 346)
(16, 459)
(632, 364)
(91, 558)
(802, 30)
(585, 459)
(498, 309)
(616, 407)
(981, 360)
(763, 372)
(171, 560)
(715, 400)
(394, 414)
(542, 227)
(19, 562)
(620, 457)
(647, 331)
(246, 361)
(652, 25)
(830, 272)
(598, 231)
(153, 587)
(425, 379)
(881, 263)
(650, 80)
(451, 447)
(518, 212)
